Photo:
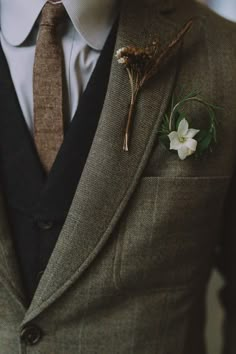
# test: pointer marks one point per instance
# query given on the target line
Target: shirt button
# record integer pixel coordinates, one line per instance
(45, 225)
(31, 335)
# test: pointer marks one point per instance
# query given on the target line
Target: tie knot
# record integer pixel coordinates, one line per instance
(52, 14)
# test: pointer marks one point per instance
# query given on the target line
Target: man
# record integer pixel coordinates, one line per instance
(108, 251)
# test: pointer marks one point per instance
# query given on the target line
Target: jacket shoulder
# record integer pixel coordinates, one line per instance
(219, 30)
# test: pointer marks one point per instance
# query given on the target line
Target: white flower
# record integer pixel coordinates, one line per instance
(120, 52)
(182, 140)
(122, 60)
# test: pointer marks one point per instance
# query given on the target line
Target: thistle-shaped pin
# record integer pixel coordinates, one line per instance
(141, 65)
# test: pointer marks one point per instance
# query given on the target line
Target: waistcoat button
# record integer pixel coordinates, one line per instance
(45, 225)
(31, 335)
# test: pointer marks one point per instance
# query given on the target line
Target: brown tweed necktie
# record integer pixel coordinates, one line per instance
(47, 85)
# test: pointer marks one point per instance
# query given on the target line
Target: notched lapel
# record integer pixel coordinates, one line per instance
(110, 175)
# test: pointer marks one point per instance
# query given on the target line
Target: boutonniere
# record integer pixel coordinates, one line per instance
(176, 134)
(141, 65)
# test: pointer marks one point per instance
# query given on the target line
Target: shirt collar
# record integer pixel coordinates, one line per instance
(93, 19)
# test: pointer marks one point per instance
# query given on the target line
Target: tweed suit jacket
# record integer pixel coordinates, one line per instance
(130, 269)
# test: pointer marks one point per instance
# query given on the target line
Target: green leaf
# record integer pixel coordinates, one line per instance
(164, 128)
(201, 135)
(205, 142)
(164, 139)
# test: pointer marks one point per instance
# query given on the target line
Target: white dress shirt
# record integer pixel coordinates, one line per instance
(226, 8)
(83, 38)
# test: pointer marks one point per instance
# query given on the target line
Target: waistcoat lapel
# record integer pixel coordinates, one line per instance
(110, 175)
(10, 112)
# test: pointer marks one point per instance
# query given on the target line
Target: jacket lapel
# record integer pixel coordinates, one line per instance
(110, 175)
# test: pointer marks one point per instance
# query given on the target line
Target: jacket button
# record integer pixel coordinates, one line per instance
(45, 225)
(31, 335)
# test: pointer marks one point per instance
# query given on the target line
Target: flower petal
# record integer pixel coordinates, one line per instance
(191, 144)
(191, 133)
(175, 144)
(183, 152)
(183, 128)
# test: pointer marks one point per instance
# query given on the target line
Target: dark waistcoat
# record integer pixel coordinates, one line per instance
(37, 205)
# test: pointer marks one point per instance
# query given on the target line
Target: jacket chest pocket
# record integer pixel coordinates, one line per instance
(169, 231)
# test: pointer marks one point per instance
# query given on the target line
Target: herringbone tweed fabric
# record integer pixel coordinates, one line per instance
(48, 86)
